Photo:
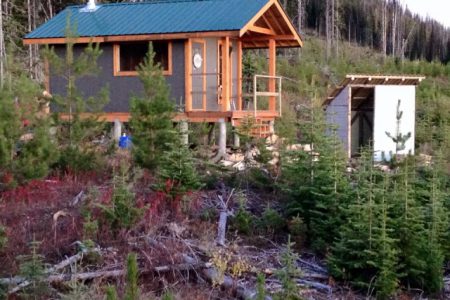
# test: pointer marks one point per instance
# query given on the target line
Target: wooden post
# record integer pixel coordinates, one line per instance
(226, 75)
(188, 75)
(349, 124)
(239, 79)
(272, 72)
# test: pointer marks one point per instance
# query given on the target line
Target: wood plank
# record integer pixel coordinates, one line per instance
(239, 79)
(256, 17)
(262, 30)
(226, 75)
(289, 23)
(47, 75)
(267, 94)
(129, 38)
(187, 74)
(272, 72)
(116, 62)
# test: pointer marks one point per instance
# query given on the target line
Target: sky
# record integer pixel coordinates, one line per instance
(436, 9)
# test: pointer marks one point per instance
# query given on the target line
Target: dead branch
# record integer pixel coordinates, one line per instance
(224, 213)
(212, 275)
(22, 282)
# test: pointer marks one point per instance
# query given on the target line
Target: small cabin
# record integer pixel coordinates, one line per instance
(199, 44)
(369, 111)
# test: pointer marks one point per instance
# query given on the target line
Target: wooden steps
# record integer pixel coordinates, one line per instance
(260, 127)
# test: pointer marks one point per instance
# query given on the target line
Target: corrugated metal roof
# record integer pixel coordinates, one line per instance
(152, 17)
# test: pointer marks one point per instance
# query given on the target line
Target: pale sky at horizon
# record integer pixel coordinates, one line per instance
(436, 9)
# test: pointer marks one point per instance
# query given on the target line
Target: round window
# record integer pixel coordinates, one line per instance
(198, 60)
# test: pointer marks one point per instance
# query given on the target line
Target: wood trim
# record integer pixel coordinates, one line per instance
(272, 72)
(289, 23)
(239, 75)
(129, 38)
(349, 123)
(202, 41)
(275, 21)
(187, 74)
(267, 22)
(116, 63)
(256, 17)
(284, 37)
(105, 117)
(197, 117)
(262, 30)
(219, 73)
(47, 75)
(226, 74)
(230, 54)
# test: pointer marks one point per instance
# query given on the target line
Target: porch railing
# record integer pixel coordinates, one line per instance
(266, 92)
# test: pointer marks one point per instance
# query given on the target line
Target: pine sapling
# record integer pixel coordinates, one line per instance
(132, 290)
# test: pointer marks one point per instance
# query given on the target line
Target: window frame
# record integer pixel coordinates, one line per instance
(116, 63)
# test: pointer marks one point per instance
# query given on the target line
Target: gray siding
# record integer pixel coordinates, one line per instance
(338, 113)
(121, 89)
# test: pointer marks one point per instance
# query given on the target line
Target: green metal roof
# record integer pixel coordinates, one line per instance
(152, 17)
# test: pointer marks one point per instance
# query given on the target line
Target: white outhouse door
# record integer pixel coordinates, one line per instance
(387, 98)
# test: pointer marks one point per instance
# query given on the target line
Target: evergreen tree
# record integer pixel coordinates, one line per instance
(316, 181)
(151, 115)
(437, 224)
(353, 253)
(132, 290)
(78, 119)
(409, 224)
(177, 174)
(26, 148)
(386, 262)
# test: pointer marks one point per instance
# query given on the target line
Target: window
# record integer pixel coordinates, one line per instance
(128, 56)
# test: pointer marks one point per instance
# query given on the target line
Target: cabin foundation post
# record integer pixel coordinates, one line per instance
(272, 73)
(236, 140)
(272, 127)
(117, 130)
(221, 153)
(184, 132)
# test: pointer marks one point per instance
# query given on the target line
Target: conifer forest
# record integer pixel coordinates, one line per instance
(288, 216)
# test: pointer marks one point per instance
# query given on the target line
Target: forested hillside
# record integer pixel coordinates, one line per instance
(385, 26)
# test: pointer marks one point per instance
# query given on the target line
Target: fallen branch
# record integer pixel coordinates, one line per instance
(312, 266)
(315, 285)
(23, 283)
(224, 213)
(213, 276)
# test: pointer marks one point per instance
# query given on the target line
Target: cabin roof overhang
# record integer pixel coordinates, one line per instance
(255, 22)
(370, 81)
(271, 22)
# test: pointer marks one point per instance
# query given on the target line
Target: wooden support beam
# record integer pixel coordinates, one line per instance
(239, 81)
(226, 75)
(272, 72)
(188, 75)
(262, 30)
(284, 37)
(129, 38)
(349, 124)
